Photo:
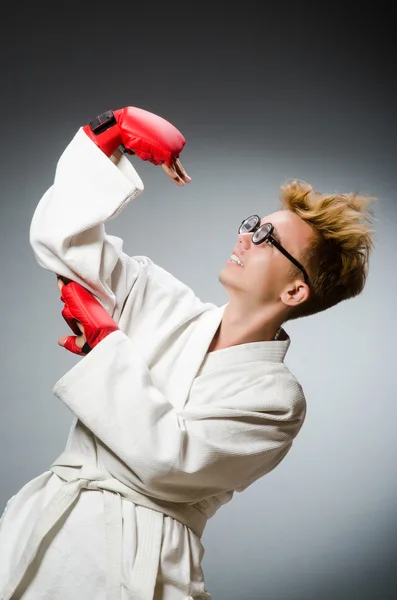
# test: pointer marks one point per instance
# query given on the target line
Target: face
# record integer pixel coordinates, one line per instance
(264, 274)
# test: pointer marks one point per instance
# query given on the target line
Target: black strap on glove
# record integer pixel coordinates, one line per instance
(103, 122)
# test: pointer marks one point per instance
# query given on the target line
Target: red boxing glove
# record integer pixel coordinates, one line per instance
(80, 305)
(140, 132)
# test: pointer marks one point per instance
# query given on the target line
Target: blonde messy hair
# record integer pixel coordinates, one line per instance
(337, 260)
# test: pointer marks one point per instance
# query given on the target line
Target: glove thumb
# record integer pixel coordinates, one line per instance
(69, 343)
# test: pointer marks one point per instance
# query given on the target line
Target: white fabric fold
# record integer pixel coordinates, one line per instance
(150, 527)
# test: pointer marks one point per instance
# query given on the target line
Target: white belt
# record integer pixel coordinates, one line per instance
(148, 550)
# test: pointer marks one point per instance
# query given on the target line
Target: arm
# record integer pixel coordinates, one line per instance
(179, 456)
(67, 232)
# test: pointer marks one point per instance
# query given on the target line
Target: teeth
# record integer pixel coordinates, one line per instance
(236, 259)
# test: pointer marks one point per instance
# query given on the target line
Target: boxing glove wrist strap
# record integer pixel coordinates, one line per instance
(104, 132)
(103, 122)
(86, 348)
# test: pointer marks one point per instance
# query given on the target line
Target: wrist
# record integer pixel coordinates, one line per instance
(101, 335)
(105, 132)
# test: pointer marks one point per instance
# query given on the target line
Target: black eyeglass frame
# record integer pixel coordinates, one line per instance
(268, 237)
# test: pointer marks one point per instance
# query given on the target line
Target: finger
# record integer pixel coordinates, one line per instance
(62, 340)
(70, 343)
(80, 341)
(181, 171)
(70, 320)
(62, 281)
(172, 174)
(127, 151)
(81, 327)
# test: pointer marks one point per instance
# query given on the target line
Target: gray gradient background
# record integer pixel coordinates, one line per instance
(304, 92)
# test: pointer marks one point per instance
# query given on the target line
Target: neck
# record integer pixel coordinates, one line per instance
(241, 325)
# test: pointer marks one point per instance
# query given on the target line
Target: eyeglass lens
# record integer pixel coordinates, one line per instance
(250, 224)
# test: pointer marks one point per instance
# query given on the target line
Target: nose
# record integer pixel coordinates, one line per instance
(245, 240)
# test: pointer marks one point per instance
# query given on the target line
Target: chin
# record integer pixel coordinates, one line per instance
(225, 279)
(222, 278)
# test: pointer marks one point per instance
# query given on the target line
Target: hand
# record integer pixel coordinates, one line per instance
(71, 343)
(86, 317)
(177, 173)
(145, 134)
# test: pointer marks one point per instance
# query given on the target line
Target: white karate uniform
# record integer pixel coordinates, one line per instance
(165, 432)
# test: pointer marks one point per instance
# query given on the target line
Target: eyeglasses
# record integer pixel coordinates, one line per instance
(263, 233)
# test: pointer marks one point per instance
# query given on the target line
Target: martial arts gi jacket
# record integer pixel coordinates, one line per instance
(164, 432)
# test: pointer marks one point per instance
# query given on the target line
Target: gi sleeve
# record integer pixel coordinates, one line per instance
(178, 456)
(67, 231)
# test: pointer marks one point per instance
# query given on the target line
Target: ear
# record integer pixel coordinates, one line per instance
(296, 293)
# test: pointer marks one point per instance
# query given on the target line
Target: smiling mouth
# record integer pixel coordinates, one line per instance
(234, 260)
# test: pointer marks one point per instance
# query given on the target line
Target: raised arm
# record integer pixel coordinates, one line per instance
(94, 182)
